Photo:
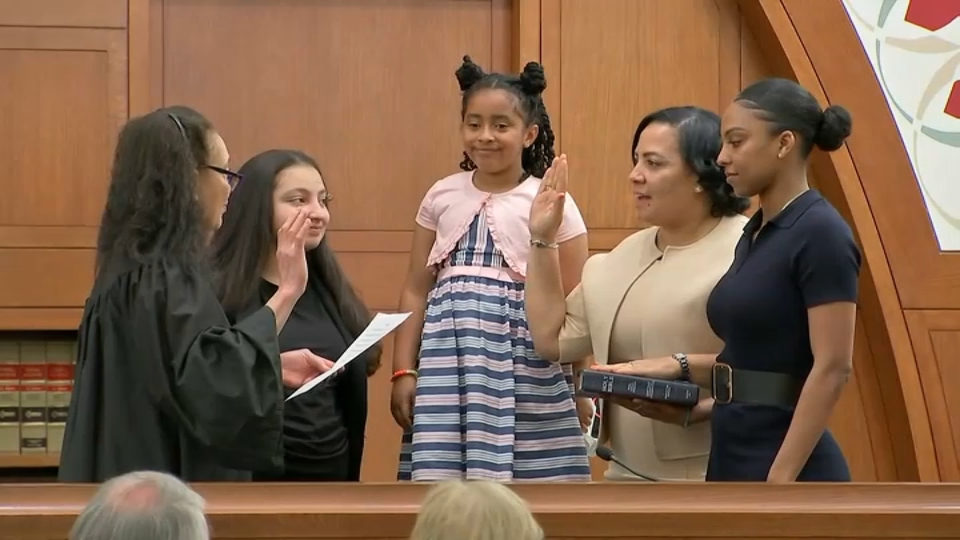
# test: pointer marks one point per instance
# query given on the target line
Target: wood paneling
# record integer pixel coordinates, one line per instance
(64, 13)
(565, 511)
(619, 60)
(936, 339)
(58, 141)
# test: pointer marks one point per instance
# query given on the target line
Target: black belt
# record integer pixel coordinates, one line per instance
(758, 387)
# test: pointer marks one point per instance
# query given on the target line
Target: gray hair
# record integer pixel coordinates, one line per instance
(474, 510)
(144, 505)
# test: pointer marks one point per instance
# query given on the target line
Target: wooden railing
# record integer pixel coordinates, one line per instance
(602, 510)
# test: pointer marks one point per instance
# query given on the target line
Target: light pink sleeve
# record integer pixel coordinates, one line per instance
(572, 225)
(426, 214)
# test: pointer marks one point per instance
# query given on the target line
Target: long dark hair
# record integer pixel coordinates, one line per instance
(528, 88)
(152, 211)
(246, 240)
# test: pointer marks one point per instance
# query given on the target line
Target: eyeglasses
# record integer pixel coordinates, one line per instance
(233, 178)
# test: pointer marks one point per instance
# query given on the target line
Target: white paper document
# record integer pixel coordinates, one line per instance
(381, 325)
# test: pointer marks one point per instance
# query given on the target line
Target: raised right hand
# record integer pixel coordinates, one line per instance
(546, 212)
(401, 401)
(291, 255)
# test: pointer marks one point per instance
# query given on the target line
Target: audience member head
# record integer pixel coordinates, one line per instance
(168, 188)
(504, 120)
(474, 510)
(275, 184)
(675, 176)
(771, 128)
(143, 505)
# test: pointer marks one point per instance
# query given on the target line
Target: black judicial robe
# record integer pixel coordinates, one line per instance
(164, 382)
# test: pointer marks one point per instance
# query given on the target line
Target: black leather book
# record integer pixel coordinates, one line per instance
(602, 384)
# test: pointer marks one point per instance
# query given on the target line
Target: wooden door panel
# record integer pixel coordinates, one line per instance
(64, 100)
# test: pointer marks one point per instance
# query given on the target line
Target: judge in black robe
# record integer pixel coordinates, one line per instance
(163, 381)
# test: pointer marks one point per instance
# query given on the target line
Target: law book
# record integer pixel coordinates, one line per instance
(61, 359)
(604, 384)
(33, 397)
(9, 396)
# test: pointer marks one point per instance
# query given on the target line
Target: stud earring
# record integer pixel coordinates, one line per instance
(698, 189)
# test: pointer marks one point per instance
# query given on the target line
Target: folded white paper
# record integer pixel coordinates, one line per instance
(381, 325)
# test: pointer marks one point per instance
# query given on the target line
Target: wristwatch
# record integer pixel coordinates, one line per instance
(684, 366)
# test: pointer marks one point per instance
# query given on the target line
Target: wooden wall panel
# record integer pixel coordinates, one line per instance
(64, 13)
(936, 339)
(58, 141)
(619, 60)
(374, 102)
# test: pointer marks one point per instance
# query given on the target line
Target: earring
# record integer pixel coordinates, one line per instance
(780, 155)
(698, 189)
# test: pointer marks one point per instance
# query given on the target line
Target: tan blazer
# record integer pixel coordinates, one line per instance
(684, 282)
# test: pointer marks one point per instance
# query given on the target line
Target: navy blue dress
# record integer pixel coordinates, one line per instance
(805, 256)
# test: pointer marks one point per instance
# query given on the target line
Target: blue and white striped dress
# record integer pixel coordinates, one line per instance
(487, 407)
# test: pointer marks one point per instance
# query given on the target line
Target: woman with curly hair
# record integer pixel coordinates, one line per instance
(474, 398)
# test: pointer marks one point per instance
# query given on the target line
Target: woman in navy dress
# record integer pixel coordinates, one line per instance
(786, 308)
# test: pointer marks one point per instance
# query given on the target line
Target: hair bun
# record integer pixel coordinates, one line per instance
(468, 74)
(834, 128)
(533, 81)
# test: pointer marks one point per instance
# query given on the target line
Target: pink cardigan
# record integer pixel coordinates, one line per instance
(450, 205)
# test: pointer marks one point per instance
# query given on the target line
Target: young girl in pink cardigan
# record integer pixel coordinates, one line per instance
(474, 399)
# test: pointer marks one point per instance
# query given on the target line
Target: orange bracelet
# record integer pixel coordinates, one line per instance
(401, 372)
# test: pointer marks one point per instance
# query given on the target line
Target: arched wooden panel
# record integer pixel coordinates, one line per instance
(871, 182)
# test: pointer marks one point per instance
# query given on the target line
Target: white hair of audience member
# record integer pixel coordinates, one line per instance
(143, 505)
(474, 510)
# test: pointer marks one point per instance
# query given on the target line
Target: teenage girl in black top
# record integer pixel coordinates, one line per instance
(323, 428)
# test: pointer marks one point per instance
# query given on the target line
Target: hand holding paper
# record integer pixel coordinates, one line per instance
(301, 366)
(381, 325)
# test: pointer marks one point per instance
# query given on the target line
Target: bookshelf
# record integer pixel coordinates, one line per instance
(36, 380)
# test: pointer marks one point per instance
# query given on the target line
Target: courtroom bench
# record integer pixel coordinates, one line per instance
(623, 511)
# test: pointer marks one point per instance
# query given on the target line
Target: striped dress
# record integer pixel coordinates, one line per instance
(487, 407)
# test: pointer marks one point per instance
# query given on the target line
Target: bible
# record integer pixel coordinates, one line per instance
(603, 384)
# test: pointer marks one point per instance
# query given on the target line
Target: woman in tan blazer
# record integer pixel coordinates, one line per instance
(646, 298)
